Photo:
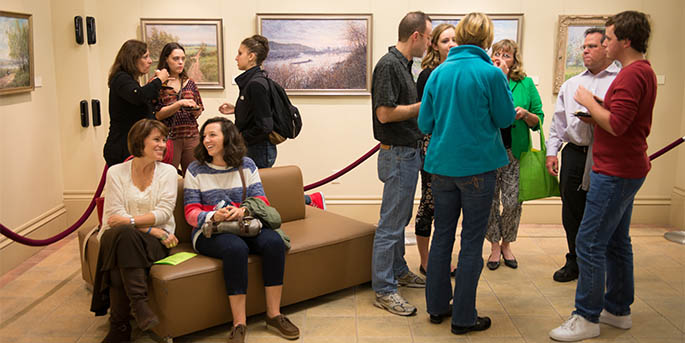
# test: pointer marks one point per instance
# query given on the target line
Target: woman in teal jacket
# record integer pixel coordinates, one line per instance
(503, 227)
(465, 103)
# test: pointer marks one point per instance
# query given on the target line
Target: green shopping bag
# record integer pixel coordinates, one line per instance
(534, 180)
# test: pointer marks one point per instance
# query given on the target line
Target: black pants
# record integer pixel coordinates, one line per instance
(572, 196)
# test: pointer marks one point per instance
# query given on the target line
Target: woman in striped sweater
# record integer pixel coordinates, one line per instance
(214, 177)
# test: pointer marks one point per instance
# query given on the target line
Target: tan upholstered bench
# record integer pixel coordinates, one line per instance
(329, 252)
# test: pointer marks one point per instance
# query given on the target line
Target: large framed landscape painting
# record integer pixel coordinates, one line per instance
(507, 26)
(570, 37)
(318, 54)
(202, 40)
(16, 53)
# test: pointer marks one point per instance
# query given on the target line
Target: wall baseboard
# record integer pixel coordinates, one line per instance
(76, 203)
(646, 210)
(677, 218)
(46, 225)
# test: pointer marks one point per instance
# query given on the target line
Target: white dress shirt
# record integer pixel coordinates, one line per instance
(566, 127)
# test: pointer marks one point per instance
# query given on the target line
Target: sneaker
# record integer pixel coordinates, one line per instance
(410, 279)
(237, 334)
(395, 304)
(318, 200)
(576, 328)
(621, 322)
(482, 323)
(283, 326)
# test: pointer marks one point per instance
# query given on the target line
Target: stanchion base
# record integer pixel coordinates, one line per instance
(675, 236)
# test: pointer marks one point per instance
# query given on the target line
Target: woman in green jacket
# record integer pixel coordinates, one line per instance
(503, 227)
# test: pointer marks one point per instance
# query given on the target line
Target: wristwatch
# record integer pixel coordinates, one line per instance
(133, 221)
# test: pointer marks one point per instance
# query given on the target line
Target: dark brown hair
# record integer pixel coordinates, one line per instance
(631, 25)
(164, 55)
(412, 22)
(127, 58)
(234, 145)
(257, 45)
(599, 30)
(139, 131)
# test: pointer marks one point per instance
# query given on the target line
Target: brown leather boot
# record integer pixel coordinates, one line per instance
(119, 313)
(135, 284)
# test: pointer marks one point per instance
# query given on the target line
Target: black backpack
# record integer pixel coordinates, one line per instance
(287, 119)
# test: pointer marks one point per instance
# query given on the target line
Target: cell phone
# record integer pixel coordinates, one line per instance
(582, 114)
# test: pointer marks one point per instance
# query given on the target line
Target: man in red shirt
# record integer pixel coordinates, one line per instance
(622, 124)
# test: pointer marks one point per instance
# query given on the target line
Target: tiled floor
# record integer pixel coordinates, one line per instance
(47, 301)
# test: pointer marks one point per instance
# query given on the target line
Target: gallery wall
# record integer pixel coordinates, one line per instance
(50, 162)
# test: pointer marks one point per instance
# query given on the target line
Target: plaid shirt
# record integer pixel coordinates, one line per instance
(183, 123)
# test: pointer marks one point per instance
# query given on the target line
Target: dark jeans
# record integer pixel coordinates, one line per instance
(605, 253)
(471, 195)
(572, 196)
(233, 251)
(263, 154)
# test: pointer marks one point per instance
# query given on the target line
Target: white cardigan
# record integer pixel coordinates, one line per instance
(122, 197)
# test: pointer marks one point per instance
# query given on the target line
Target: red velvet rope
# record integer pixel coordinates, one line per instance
(344, 170)
(41, 242)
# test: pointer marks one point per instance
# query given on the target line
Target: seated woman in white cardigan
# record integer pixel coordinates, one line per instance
(137, 230)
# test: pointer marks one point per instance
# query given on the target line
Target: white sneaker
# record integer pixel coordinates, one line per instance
(621, 322)
(574, 329)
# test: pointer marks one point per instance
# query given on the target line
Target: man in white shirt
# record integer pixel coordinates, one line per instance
(566, 127)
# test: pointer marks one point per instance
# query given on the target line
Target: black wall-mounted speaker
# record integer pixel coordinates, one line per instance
(95, 107)
(90, 27)
(78, 29)
(84, 113)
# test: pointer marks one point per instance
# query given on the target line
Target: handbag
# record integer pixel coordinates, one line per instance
(534, 180)
(248, 226)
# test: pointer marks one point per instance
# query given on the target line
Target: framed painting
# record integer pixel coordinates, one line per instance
(202, 40)
(318, 54)
(570, 37)
(507, 26)
(16, 53)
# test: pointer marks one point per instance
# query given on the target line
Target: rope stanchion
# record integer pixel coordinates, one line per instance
(41, 242)
(344, 170)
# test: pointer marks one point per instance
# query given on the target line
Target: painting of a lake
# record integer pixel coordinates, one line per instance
(318, 54)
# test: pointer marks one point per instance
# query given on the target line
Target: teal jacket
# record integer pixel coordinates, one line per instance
(465, 103)
(525, 96)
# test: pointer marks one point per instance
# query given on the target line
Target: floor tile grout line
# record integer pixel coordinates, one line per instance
(39, 300)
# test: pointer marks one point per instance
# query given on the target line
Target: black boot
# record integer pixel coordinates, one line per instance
(135, 284)
(120, 312)
(569, 271)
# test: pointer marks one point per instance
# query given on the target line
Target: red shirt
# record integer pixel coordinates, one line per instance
(630, 99)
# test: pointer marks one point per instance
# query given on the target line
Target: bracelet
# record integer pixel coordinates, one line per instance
(149, 229)
(133, 221)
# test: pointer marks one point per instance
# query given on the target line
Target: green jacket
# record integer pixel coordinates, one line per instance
(525, 96)
(268, 215)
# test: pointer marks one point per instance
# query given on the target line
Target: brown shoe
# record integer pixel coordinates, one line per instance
(237, 334)
(283, 326)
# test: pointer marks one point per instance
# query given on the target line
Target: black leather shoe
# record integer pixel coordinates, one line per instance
(565, 274)
(492, 265)
(482, 323)
(437, 319)
(511, 263)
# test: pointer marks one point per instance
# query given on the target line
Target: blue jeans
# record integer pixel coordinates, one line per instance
(263, 154)
(398, 169)
(603, 247)
(233, 251)
(471, 195)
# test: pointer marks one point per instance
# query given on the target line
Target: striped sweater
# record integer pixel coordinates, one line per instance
(206, 184)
